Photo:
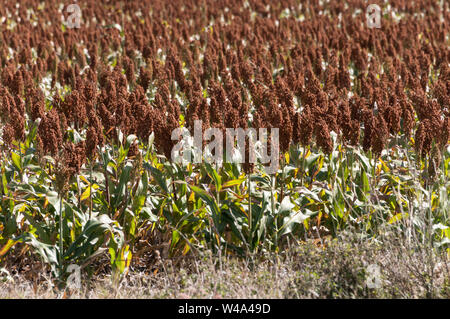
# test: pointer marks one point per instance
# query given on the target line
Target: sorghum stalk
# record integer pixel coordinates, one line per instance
(250, 221)
(218, 206)
(217, 190)
(282, 178)
(303, 164)
(272, 202)
(90, 190)
(61, 233)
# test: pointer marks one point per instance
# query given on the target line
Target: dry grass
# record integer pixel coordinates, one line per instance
(336, 270)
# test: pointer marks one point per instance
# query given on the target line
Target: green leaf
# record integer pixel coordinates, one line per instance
(209, 200)
(54, 200)
(147, 212)
(397, 217)
(213, 174)
(233, 182)
(4, 182)
(365, 182)
(175, 238)
(16, 161)
(92, 232)
(364, 160)
(49, 253)
(158, 176)
(290, 221)
(120, 190)
(43, 234)
(286, 205)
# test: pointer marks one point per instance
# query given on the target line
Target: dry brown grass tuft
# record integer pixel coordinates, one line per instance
(337, 270)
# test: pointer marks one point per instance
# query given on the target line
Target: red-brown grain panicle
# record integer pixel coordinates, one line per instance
(229, 65)
(380, 135)
(145, 77)
(36, 103)
(50, 133)
(128, 65)
(305, 131)
(423, 138)
(323, 137)
(286, 130)
(91, 143)
(74, 156)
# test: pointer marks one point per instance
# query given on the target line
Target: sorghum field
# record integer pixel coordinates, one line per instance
(89, 188)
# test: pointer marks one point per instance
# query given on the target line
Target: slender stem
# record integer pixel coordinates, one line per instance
(282, 179)
(219, 208)
(79, 192)
(272, 200)
(250, 221)
(108, 197)
(90, 191)
(174, 190)
(351, 164)
(303, 165)
(61, 234)
(217, 189)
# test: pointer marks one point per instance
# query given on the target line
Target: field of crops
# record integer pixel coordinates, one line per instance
(90, 97)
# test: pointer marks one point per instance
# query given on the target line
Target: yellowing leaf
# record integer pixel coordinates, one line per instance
(129, 256)
(385, 168)
(22, 208)
(233, 182)
(84, 179)
(86, 194)
(8, 245)
(192, 197)
(397, 217)
(286, 156)
(308, 154)
(186, 249)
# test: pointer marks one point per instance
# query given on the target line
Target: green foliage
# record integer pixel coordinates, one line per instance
(118, 200)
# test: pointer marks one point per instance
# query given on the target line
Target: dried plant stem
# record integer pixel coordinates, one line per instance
(250, 221)
(303, 164)
(272, 203)
(218, 207)
(61, 233)
(90, 190)
(282, 179)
